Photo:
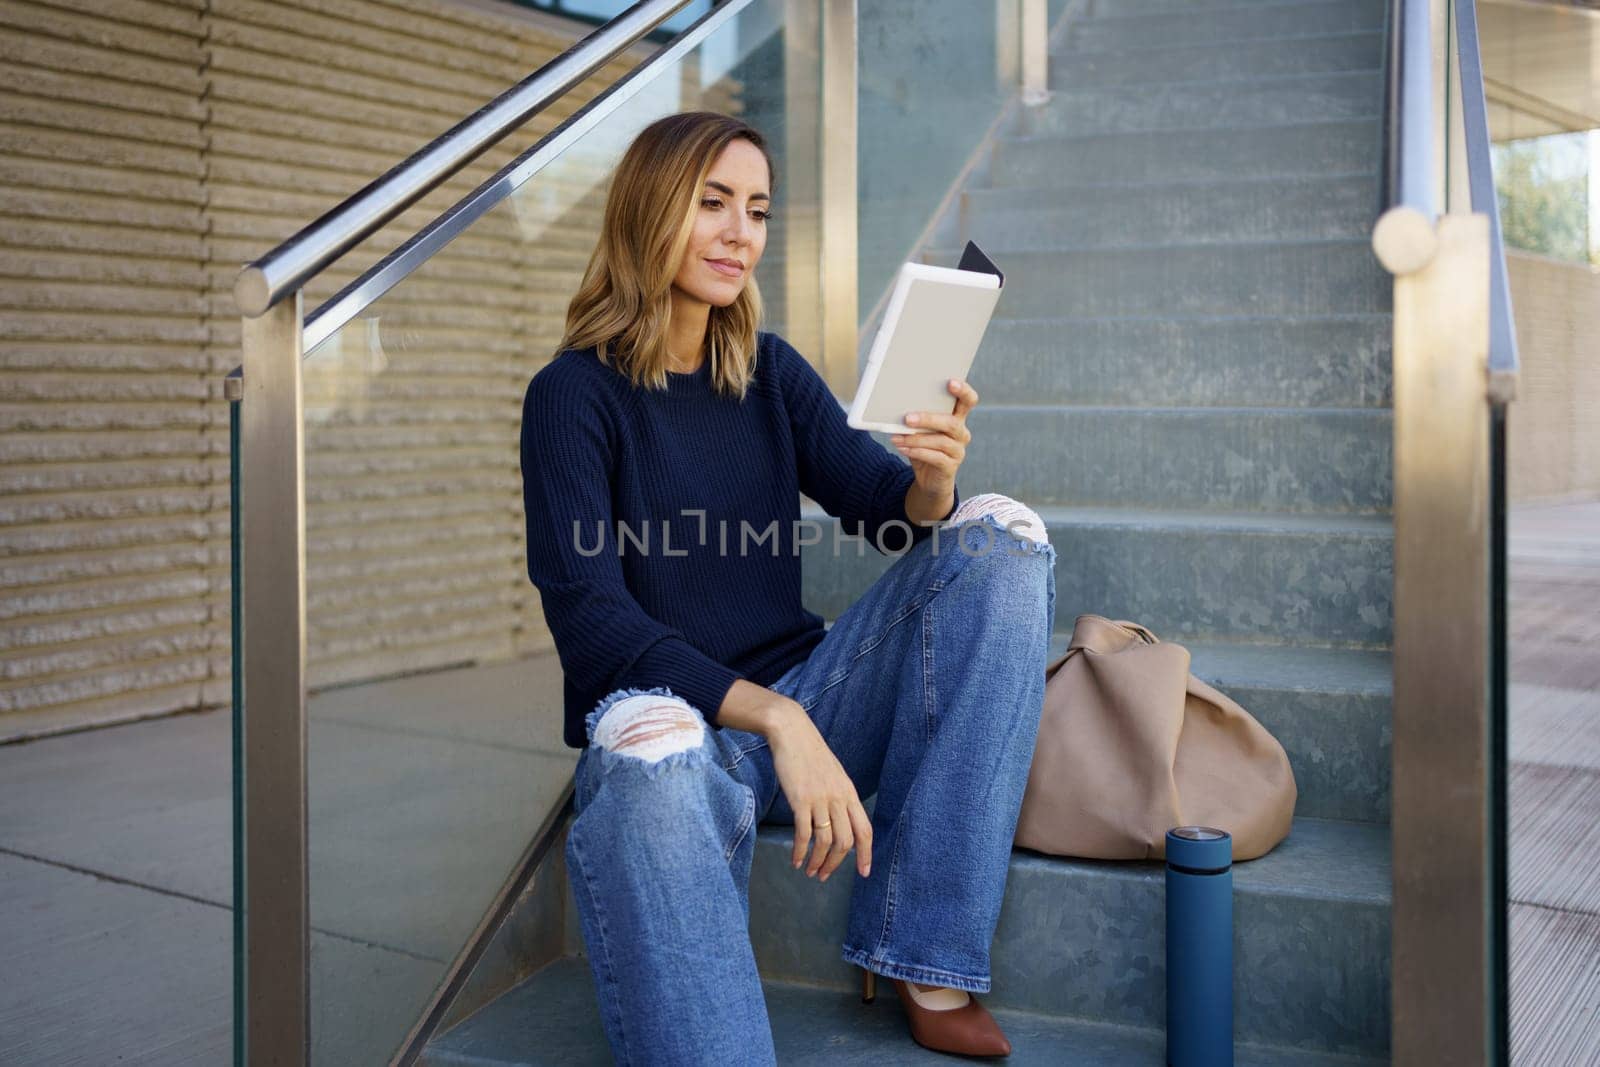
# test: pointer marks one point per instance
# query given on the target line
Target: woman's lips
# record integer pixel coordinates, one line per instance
(723, 268)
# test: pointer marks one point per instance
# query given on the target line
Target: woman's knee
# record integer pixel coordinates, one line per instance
(655, 764)
(1029, 573)
(647, 753)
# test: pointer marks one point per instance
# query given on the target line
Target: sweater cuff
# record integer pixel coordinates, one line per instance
(688, 672)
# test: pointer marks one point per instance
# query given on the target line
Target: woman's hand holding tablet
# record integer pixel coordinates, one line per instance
(935, 319)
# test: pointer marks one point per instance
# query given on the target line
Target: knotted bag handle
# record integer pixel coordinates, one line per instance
(1142, 633)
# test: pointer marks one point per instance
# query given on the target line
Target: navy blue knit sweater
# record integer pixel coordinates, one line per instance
(637, 588)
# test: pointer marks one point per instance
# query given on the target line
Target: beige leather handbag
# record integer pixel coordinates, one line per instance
(1131, 744)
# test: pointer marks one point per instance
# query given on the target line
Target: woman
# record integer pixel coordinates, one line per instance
(666, 438)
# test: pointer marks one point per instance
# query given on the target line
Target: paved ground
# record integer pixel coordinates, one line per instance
(116, 868)
(1555, 785)
(115, 845)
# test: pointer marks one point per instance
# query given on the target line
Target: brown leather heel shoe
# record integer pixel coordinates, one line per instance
(968, 1030)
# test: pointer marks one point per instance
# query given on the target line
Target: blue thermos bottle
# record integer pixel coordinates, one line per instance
(1199, 947)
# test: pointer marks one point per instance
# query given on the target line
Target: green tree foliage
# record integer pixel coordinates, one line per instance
(1542, 184)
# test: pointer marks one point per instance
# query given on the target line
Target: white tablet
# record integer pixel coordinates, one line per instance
(930, 333)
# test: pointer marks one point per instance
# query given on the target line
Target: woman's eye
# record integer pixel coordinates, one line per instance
(712, 201)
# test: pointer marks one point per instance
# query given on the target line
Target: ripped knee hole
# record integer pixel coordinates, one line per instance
(1014, 515)
(649, 727)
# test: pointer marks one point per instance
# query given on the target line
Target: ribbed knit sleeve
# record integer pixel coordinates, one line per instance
(605, 640)
(852, 476)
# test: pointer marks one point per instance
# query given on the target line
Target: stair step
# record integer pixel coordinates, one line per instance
(1268, 277)
(1344, 146)
(1331, 709)
(1309, 207)
(1201, 105)
(1189, 576)
(1307, 54)
(553, 1018)
(1279, 361)
(1230, 459)
(1086, 939)
(1244, 22)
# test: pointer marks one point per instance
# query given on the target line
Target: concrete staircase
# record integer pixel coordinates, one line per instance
(1189, 378)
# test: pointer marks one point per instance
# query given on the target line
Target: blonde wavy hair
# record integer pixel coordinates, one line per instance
(623, 308)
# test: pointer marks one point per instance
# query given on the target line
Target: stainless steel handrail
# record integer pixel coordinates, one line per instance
(266, 281)
(389, 271)
(1404, 237)
(1454, 368)
(1504, 362)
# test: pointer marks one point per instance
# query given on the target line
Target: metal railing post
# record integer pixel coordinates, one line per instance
(1455, 366)
(1439, 824)
(803, 136)
(1007, 46)
(1035, 52)
(840, 322)
(273, 550)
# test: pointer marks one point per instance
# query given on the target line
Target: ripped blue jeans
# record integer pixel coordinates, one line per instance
(928, 689)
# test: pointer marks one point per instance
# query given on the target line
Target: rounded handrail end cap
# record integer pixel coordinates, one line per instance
(1404, 240)
(250, 291)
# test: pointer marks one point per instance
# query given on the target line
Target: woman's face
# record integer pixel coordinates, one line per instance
(730, 228)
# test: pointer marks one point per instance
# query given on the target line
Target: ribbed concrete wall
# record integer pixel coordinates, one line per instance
(106, 482)
(1554, 434)
(148, 150)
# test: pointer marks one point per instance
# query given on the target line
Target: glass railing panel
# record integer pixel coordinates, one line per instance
(937, 78)
(435, 711)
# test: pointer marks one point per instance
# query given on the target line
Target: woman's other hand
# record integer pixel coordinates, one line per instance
(813, 781)
(822, 797)
(940, 443)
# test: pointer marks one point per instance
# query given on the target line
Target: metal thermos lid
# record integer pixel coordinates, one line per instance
(1203, 849)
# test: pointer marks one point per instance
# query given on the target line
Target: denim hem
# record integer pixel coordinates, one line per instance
(907, 972)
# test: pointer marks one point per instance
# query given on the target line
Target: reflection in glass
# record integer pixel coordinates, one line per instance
(434, 737)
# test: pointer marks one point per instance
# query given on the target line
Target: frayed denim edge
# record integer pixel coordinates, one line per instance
(1028, 546)
(651, 768)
